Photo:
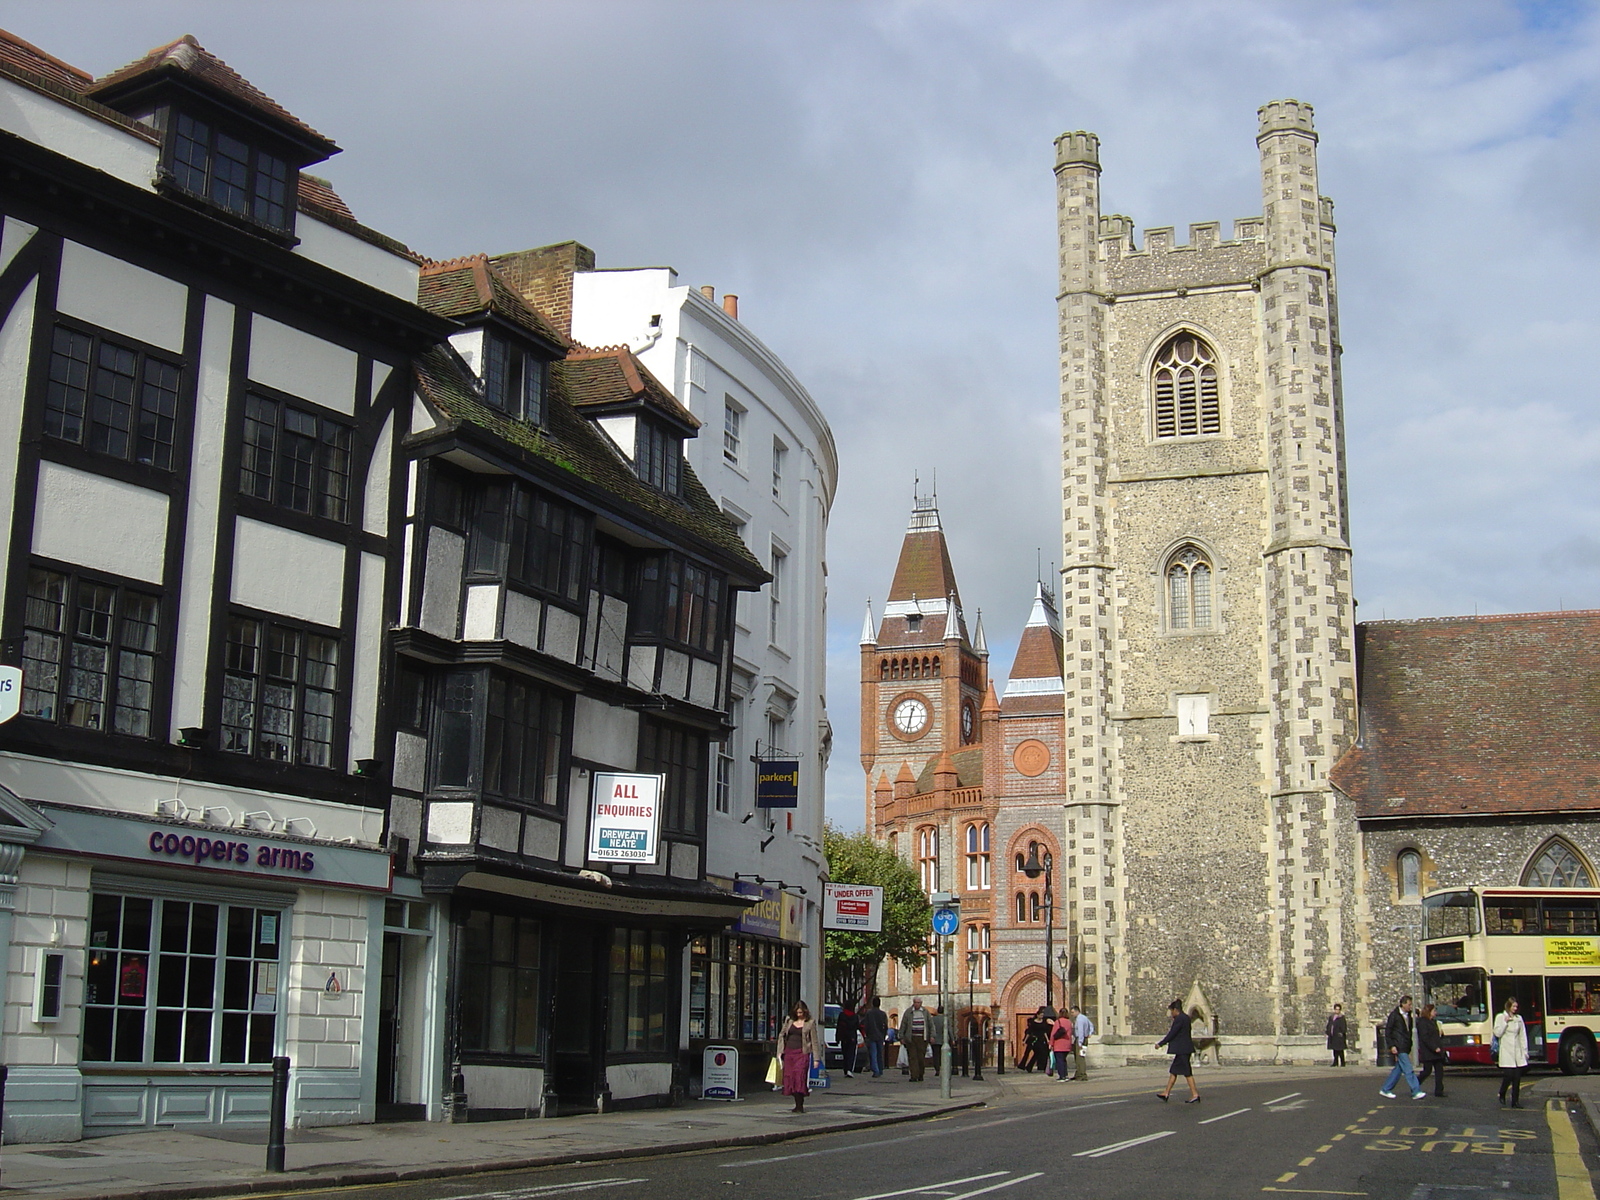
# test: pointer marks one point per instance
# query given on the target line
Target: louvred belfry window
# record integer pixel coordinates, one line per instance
(1184, 387)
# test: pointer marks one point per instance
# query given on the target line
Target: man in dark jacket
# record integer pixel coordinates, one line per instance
(1430, 1049)
(847, 1030)
(1180, 1044)
(875, 1028)
(1397, 1035)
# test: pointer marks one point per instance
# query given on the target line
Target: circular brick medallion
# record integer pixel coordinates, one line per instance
(1032, 758)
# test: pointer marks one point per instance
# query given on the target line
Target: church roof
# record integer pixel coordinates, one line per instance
(1476, 715)
(1035, 683)
(968, 764)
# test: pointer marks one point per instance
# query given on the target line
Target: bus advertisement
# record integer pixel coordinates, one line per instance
(1482, 946)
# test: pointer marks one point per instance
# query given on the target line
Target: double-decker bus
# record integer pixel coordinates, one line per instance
(1481, 946)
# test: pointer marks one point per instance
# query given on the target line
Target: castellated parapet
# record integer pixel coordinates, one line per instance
(1198, 743)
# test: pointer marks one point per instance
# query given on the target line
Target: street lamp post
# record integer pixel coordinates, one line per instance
(974, 1026)
(1033, 868)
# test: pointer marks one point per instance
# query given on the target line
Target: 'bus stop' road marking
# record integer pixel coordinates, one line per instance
(1572, 1177)
(1115, 1147)
(1225, 1116)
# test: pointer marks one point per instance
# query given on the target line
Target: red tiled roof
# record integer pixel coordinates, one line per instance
(188, 56)
(924, 568)
(25, 56)
(968, 765)
(1489, 715)
(319, 194)
(614, 375)
(470, 286)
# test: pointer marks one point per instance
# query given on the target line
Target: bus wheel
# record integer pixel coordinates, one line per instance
(1577, 1054)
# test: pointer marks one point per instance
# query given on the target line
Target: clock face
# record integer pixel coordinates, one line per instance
(909, 716)
(966, 722)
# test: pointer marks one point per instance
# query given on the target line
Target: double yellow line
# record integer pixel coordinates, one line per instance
(1572, 1177)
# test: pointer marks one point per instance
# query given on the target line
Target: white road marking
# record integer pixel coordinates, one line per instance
(1280, 1099)
(550, 1189)
(1225, 1116)
(1114, 1147)
(1295, 1107)
(995, 1187)
(1033, 1116)
(928, 1187)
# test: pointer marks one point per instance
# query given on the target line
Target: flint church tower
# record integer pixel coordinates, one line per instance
(1206, 607)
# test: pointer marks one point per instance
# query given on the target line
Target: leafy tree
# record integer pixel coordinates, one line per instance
(853, 958)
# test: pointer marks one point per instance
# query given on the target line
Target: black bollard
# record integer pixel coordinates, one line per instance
(977, 1057)
(280, 1108)
(1000, 1054)
(4, 1071)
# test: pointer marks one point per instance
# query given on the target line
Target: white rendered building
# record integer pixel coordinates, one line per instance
(766, 454)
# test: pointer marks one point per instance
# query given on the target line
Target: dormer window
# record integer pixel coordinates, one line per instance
(513, 380)
(658, 457)
(213, 165)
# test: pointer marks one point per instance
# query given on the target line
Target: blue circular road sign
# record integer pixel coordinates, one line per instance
(945, 921)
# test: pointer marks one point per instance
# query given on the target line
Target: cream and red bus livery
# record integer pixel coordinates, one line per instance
(1481, 946)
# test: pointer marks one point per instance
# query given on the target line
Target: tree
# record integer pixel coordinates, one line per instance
(853, 958)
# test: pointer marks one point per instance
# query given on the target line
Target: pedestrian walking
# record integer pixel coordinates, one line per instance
(1430, 1049)
(801, 1047)
(1082, 1031)
(1511, 1052)
(847, 1029)
(1180, 1044)
(914, 1033)
(1035, 1041)
(1398, 1036)
(1060, 1045)
(875, 1031)
(936, 1035)
(1338, 1034)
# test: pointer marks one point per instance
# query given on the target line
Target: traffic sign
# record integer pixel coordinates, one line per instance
(10, 692)
(945, 921)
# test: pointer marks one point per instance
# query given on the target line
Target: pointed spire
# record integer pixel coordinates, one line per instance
(869, 631)
(1036, 674)
(945, 776)
(979, 642)
(953, 623)
(991, 703)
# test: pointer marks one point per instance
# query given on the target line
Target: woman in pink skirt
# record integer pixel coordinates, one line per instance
(800, 1046)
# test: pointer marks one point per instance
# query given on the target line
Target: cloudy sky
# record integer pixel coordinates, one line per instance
(874, 181)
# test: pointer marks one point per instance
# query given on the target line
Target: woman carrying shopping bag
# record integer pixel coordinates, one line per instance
(800, 1045)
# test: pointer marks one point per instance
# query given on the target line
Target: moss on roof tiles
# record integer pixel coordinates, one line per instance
(570, 443)
(470, 287)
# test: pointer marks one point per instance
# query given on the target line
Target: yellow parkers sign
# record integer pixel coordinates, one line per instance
(1572, 952)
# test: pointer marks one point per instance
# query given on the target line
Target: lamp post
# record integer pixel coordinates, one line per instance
(1033, 868)
(974, 1025)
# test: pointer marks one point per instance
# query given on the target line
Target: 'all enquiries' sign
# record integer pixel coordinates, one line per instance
(625, 818)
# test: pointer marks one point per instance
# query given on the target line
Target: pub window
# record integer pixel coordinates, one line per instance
(523, 740)
(681, 601)
(532, 539)
(640, 975)
(111, 399)
(89, 653)
(680, 755)
(213, 165)
(1557, 865)
(501, 954)
(513, 380)
(295, 460)
(280, 692)
(176, 981)
(658, 457)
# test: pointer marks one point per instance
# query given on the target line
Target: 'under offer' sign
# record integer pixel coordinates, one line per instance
(854, 906)
(625, 817)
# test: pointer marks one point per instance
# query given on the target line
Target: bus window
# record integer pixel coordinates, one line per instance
(1574, 995)
(1510, 914)
(1450, 914)
(1459, 993)
(1570, 915)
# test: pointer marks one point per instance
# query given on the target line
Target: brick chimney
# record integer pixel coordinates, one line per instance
(544, 277)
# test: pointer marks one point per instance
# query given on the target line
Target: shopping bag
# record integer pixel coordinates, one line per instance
(774, 1073)
(819, 1077)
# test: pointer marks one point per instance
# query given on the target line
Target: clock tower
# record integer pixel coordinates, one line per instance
(923, 677)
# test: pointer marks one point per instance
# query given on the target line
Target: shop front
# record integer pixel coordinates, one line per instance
(190, 955)
(743, 982)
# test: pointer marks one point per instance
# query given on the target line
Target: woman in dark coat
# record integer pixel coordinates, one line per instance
(1036, 1041)
(1430, 1048)
(1338, 1034)
(848, 1031)
(1179, 1044)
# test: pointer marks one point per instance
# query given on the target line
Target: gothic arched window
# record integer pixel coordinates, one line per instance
(928, 858)
(1557, 865)
(1183, 388)
(978, 857)
(1188, 590)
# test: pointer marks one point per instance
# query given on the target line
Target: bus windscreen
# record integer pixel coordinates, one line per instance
(1450, 914)
(1460, 994)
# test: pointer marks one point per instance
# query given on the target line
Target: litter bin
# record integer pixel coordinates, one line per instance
(1385, 1057)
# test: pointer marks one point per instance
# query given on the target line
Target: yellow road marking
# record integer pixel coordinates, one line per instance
(1308, 1162)
(1338, 1137)
(1324, 1149)
(1312, 1191)
(1572, 1177)
(1286, 1176)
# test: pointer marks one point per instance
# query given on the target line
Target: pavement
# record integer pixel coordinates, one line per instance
(170, 1164)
